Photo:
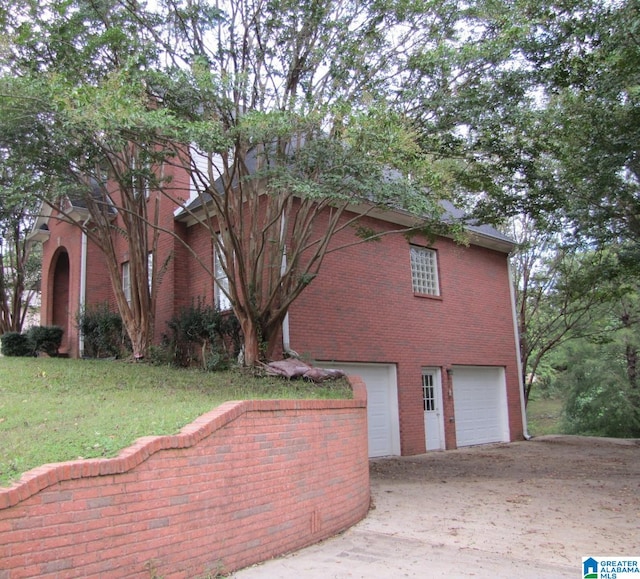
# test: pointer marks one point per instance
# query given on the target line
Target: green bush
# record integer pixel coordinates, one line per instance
(602, 408)
(16, 344)
(599, 399)
(103, 332)
(46, 339)
(202, 334)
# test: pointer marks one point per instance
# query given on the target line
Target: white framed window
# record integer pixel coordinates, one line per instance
(150, 270)
(424, 271)
(428, 391)
(126, 276)
(221, 284)
(126, 280)
(140, 177)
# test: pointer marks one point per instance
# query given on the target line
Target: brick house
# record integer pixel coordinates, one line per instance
(429, 325)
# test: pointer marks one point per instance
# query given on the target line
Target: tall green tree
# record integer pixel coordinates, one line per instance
(289, 109)
(19, 265)
(538, 102)
(600, 376)
(560, 134)
(74, 106)
(283, 113)
(588, 61)
(563, 294)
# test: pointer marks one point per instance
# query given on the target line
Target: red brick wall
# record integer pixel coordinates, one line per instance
(198, 282)
(63, 238)
(361, 308)
(243, 483)
(171, 256)
(67, 238)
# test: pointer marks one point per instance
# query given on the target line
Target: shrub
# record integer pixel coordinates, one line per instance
(45, 339)
(103, 332)
(599, 401)
(16, 344)
(160, 355)
(202, 334)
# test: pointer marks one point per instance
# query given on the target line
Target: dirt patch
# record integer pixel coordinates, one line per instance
(527, 510)
(554, 498)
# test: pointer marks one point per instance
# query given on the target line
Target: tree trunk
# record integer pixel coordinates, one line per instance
(252, 340)
(631, 355)
(139, 341)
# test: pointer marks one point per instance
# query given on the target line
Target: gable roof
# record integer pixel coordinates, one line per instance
(479, 230)
(76, 208)
(480, 234)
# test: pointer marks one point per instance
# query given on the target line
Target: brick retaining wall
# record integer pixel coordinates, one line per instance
(244, 483)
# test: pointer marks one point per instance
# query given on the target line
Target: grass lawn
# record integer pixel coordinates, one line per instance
(52, 410)
(544, 416)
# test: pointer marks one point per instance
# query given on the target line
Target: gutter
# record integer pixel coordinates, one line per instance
(516, 334)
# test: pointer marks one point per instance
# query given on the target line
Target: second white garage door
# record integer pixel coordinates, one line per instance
(382, 404)
(480, 399)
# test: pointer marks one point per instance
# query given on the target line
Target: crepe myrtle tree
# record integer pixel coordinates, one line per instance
(288, 110)
(563, 293)
(71, 108)
(19, 265)
(284, 114)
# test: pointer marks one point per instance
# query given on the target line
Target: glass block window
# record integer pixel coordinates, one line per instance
(424, 271)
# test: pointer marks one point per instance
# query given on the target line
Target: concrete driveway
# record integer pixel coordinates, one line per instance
(526, 509)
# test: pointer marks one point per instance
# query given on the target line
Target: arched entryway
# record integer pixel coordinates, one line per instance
(59, 290)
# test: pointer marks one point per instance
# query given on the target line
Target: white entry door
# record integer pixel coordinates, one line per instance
(432, 402)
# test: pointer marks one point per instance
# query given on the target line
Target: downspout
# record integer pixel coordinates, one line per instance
(83, 284)
(516, 334)
(286, 335)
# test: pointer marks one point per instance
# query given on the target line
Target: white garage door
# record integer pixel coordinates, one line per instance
(480, 399)
(382, 404)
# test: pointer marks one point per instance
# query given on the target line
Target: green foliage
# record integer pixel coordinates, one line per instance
(46, 339)
(16, 344)
(202, 334)
(545, 415)
(103, 332)
(602, 408)
(557, 131)
(600, 400)
(19, 264)
(545, 384)
(307, 101)
(580, 336)
(54, 409)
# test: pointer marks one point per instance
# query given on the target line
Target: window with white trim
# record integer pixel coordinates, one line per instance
(140, 171)
(424, 271)
(126, 277)
(221, 284)
(126, 280)
(428, 391)
(150, 270)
